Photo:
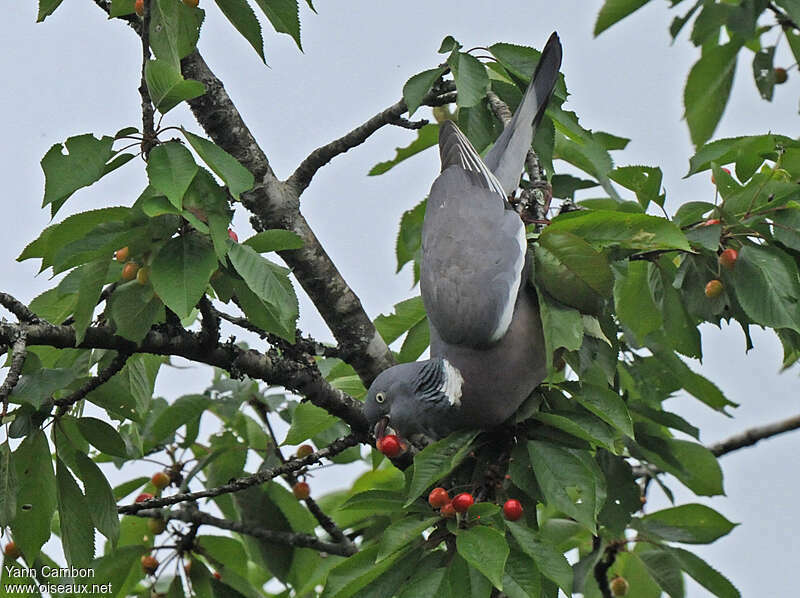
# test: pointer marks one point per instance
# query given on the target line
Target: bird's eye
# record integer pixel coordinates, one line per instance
(380, 397)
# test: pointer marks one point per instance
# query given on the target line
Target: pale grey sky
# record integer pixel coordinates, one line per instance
(79, 73)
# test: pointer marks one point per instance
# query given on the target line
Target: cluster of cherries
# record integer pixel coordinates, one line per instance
(460, 503)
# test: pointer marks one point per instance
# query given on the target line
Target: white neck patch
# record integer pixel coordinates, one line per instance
(451, 386)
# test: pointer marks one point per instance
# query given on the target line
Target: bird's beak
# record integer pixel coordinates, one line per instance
(380, 427)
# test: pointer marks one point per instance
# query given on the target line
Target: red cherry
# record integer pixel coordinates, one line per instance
(129, 271)
(121, 255)
(304, 450)
(301, 490)
(448, 510)
(233, 236)
(710, 222)
(11, 551)
(462, 502)
(713, 289)
(149, 564)
(512, 509)
(143, 497)
(160, 480)
(139, 7)
(217, 575)
(727, 258)
(780, 75)
(390, 445)
(438, 498)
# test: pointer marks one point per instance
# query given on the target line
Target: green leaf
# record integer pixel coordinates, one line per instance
(634, 301)
(270, 283)
(8, 485)
(374, 501)
(408, 247)
(471, 79)
(738, 149)
(520, 579)
(184, 410)
(274, 240)
(624, 494)
(418, 86)
(426, 585)
(415, 343)
(704, 574)
(437, 460)
(708, 88)
(691, 524)
(308, 420)
(485, 549)
(695, 384)
(549, 560)
(99, 495)
(427, 136)
(46, 8)
(700, 470)
(614, 11)
(134, 308)
(665, 570)
(241, 16)
(84, 164)
(606, 228)
(236, 177)
(401, 533)
(102, 436)
(284, 16)
(174, 30)
(171, 169)
(181, 270)
(93, 275)
(571, 270)
(764, 72)
(645, 181)
(357, 572)
(767, 286)
(167, 86)
(37, 387)
(562, 476)
(77, 530)
(407, 314)
(607, 405)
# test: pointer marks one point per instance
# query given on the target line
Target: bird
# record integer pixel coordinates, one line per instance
(487, 348)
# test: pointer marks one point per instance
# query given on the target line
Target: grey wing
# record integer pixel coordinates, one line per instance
(473, 248)
(507, 155)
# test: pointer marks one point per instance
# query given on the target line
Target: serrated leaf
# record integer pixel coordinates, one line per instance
(549, 560)
(93, 275)
(708, 88)
(665, 570)
(100, 497)
(613, 11)
(167, 86)
(427, 136)
(437, 460)
(645, 181)
(8, 485)
(486, 550)
(236, 177)
(400, 533)
(764, 72)
(408, 247)
(374, 501)
(690, 524)
(134, 308)
(102, 436)
(520, 579)
(46, 8)
(407, 314)
(77, 530)
(633, 299)
(607, 405)
(84, 164)
(242, 17)
(184, 410)
(274, 240)
(418, 86)
(171, 169)
(704, 574)
(308, 420)
(284, 16)
(181, 270)
(174, 30)
(471, 79)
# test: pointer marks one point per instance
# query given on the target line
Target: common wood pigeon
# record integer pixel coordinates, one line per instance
(487, 350)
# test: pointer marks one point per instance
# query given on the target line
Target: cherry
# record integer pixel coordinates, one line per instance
(192, 3)
(130, 270)
(160, 480)
(727, 258)
(304, 450)
(781, 75)
(139, 7)
(390, 445)
(11, 551)
(512, 509)
(143, 497)
(149, 564)
(448, 510)
(710, 222)
(217, 575)
(121, 255)
(713, 289)
(156, 525)
(619, 586)
(438, 498)
(233, 236)
(462, 502)
(301, 490)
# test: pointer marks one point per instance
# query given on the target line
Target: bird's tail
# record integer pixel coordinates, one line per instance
(507, 156)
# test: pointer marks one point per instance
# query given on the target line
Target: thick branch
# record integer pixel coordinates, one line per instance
(19, 352)
(288, 538)
(17, 308)
(304, 379)
(238, 484)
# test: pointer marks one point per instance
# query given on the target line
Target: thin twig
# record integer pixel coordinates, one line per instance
(409, 124)
(238, 484)
(782, 18)
(148, 120)
(101, 378)
(19, 352)
(753, 435)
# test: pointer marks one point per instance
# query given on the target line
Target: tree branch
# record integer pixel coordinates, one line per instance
(753, 435)
(19, 309)
(303, 378)
(101, 378)
(334, 448)
(19, 352)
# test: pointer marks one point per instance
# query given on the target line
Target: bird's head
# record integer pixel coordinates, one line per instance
(414, 398)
